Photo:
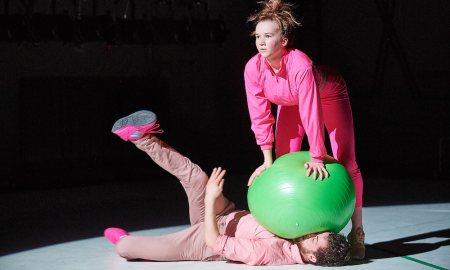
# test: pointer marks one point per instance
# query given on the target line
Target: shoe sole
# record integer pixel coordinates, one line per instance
(137, 119)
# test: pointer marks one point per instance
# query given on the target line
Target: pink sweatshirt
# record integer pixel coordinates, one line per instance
(254, 245)
(296, 84)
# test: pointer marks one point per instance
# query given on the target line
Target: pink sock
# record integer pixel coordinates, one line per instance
(115, 234)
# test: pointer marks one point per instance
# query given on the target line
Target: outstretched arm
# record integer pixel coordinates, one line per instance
(310, 111)
(259, 108)
(213, 191)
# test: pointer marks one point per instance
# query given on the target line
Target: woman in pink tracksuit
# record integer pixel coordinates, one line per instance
(308, 98)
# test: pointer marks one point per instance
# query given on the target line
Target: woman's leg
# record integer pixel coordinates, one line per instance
(289, 131)
(338, 120)
(191, 176)
(339, 124)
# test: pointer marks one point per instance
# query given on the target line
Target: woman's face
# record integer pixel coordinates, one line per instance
(269, 41)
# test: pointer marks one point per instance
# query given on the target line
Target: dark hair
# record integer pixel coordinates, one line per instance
(337, 252)
(279, 12)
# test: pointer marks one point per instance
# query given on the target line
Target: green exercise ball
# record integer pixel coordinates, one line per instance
(290, 204)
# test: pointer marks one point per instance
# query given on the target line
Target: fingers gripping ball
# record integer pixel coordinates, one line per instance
(289, 204)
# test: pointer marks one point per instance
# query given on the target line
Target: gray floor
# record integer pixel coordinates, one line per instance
(44, 231)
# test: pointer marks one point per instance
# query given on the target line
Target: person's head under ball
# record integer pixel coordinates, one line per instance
(324, 249)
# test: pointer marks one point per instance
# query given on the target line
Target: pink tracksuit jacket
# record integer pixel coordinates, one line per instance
(294, 85)
(309, 98)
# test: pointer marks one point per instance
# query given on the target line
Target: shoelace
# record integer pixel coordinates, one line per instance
(155, 129)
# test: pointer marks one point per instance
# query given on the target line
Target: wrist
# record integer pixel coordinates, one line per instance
(209, 201)
(268, 160)
(315, 160)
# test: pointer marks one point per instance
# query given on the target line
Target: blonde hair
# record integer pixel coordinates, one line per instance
(279, 12)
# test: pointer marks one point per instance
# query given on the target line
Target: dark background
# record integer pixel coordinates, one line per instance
(68, 71)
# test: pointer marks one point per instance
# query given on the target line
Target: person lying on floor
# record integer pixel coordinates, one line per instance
(217, 231)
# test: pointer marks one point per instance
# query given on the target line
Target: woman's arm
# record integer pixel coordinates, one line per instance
(310, 110)
(268, 160)
(259, 106)
(261, 117)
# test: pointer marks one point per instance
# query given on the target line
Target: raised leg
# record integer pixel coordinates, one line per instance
(191, 176)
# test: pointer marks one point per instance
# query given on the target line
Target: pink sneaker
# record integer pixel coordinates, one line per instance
(136, 125)
(115, 234)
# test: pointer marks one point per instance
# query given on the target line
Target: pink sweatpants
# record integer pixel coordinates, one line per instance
(337, 115)
(188, 244)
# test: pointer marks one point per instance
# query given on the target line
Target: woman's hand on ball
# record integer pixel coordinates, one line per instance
(257, 172)
(316, 168)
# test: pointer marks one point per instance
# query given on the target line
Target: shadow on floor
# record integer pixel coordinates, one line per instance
(406, 246)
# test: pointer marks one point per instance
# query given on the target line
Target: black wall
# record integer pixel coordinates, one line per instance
(60, 99)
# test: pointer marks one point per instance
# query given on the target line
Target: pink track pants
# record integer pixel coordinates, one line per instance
(188, 244)
(337, 115)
